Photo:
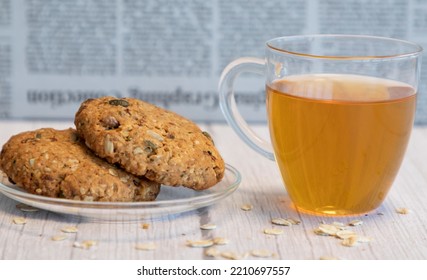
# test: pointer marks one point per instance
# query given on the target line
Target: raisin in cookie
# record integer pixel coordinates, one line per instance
(56, 163)
(150, 141)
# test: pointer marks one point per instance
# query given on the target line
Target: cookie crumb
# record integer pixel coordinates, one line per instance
(145, 226)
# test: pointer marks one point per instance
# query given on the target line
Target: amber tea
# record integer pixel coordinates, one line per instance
(340, 113)
(338, 139)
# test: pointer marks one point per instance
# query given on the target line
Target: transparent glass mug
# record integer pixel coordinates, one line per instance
(340, 113)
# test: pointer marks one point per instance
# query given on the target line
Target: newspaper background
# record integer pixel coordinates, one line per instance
(55, 54)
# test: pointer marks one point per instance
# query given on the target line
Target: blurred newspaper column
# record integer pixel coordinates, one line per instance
(55, 54)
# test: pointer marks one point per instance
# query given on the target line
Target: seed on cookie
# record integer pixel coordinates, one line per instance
(119, 102)
(110, 122)
(137, 151)
(155, 135)
(208, 136)
(149, 147)
(108, 145)
(113, 172)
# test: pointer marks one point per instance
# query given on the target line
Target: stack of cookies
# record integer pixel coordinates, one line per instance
(121, 150)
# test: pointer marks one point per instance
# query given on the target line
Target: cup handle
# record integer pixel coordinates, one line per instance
(228, 105)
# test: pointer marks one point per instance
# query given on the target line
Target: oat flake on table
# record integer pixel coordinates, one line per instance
(19, 221)
(403, 210)
(70, 229)
(58, 237)
(246, 207)
(87, 244)
(263, 253)
(349, 238)
(273, 231)
(26, 208)
(150, 246)
(208, 226)
(200, 243)
(220, 241)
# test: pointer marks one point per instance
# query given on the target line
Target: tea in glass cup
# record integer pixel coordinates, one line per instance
(340, 113)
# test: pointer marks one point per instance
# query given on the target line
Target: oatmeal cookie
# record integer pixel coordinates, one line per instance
(56, 163)
(150, 141)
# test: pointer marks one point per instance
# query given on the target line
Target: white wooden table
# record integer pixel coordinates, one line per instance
(395, 236)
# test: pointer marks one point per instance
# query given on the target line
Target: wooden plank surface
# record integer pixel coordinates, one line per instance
(395, 236)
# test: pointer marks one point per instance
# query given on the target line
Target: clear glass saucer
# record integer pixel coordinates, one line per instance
(171, 200)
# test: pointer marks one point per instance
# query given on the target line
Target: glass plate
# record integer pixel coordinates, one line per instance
(171, 200)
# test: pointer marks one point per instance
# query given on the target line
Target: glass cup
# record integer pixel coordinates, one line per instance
(340, 112)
